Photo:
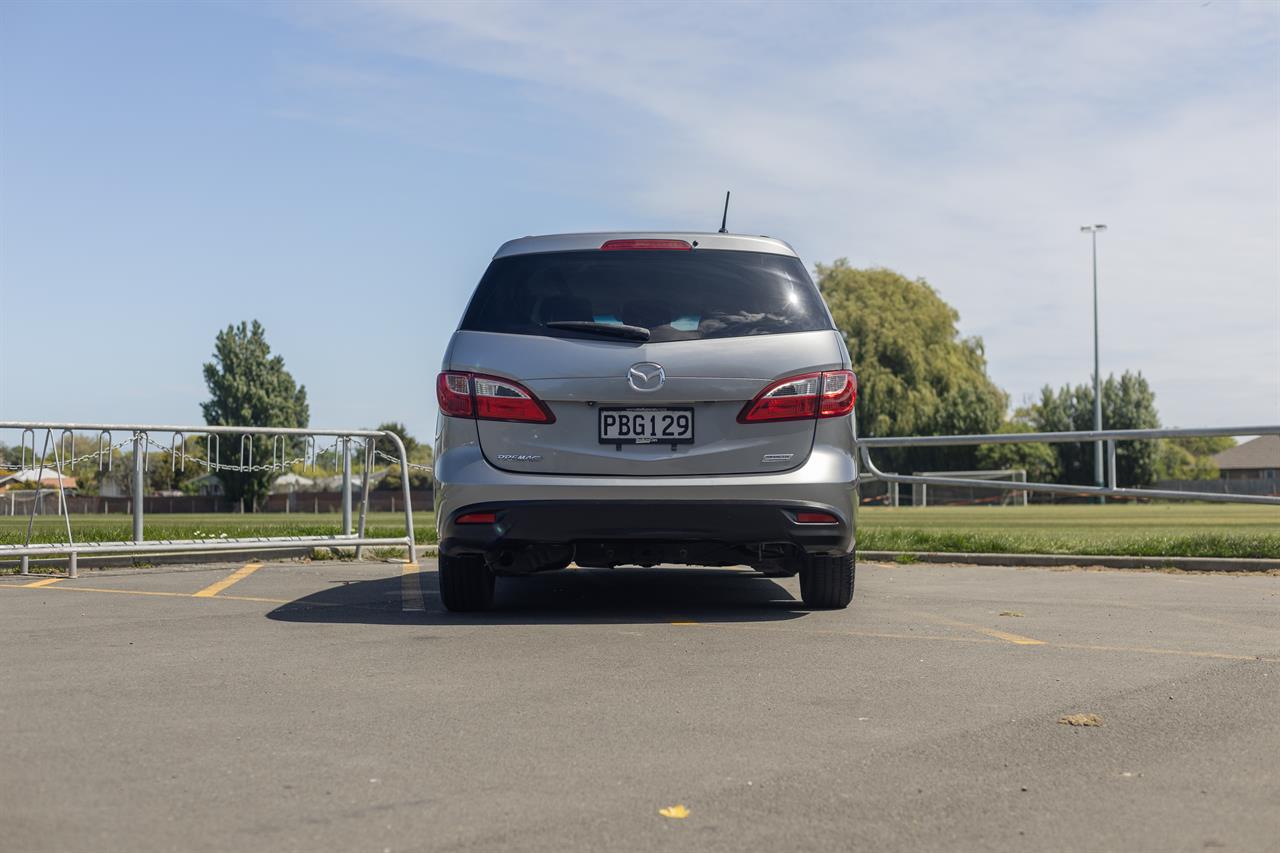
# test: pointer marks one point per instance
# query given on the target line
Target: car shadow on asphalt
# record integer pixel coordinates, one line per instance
(577, 596)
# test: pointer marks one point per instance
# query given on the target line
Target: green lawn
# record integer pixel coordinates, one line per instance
(114, 528)
(1156, 530)
(1142, 530)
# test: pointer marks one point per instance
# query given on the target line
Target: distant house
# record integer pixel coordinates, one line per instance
(1258, 459)
(334, 483)
(292, 483)
(208, 484)
(26, 479)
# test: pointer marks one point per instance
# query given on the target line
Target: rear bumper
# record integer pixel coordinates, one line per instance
(746, 509)
(732, 523)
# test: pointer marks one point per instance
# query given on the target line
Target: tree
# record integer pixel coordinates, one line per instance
(916, 374)
(1127, 403)
(419, 454)
(248, 386)
(410, 443)
(1037, 459)
(1190, 458)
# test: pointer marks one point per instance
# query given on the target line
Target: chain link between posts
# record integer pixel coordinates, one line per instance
(414, 465)
(181, 456)
(66, 463)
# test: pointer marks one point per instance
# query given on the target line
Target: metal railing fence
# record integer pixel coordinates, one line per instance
(1110, 437)
(284, 441)
(141, 440)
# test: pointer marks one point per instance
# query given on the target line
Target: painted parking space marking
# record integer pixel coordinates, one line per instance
(1016, 639)
(149, 592)
(934, 638)
(413, 596)
(41, 583)
(230, 580)
(411, 589)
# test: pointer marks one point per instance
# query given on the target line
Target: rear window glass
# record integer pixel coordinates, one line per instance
(677, 296)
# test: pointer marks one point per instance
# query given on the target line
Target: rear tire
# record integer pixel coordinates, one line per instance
(466, 583)
(826, 582)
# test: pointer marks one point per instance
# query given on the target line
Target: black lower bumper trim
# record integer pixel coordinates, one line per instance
(730, 523)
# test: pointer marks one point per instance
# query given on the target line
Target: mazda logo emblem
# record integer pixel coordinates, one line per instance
(646, 376)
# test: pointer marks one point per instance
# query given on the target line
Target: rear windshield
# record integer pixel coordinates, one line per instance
(677, 296)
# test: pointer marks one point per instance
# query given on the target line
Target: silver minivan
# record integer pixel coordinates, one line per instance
(645, 398)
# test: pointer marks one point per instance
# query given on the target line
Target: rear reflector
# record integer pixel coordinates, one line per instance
(489, 398)
(645, 246)
(816, 518)
(478, 518)
(811, 395)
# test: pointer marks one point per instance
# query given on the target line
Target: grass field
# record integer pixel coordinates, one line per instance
(114, 528)
(1137, 530)
(1151, 530)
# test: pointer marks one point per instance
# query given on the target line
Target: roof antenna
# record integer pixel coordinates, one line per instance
(725, 219)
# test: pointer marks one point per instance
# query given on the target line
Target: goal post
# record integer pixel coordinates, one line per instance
(1017, 497)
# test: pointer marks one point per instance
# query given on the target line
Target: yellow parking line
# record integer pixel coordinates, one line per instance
(235, 577)
(411, 589)
(1147, 650)
(120, 591)
(190, 595)
(45, 582)
(885, 635)
(1016, 639)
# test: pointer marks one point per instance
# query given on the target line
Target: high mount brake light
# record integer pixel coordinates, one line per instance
(810, 395)
(489, 398)
(645, 245)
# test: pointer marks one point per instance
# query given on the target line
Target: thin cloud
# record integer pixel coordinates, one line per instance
(962, 143)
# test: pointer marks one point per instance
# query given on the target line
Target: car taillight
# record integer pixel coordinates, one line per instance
(812, 395)
(489, 398)
(839, 390)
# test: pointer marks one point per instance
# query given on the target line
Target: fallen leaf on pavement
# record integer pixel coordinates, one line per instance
(677, 811)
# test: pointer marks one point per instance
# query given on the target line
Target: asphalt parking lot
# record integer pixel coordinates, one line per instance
(319, 706)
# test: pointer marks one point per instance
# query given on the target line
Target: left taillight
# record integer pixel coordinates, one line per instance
(830, 394)
(489, 398)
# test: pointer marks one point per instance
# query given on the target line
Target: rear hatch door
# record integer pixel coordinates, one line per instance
(722, 326)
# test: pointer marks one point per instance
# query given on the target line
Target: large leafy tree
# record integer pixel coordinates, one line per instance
(916, 374)
(419, 454)
(248, 386)
(1127, 403)
(1037, 459)
(1190, 458)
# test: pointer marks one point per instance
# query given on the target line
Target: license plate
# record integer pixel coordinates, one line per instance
(646, 426)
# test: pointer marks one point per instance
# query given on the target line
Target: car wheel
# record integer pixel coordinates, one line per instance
(826, 582)
(466, 583)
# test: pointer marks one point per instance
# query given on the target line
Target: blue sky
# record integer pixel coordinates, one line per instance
(343, 172)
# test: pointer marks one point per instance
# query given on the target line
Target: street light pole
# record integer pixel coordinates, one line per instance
(1097, 373)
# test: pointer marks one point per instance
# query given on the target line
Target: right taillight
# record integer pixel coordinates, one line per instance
(839, 391)
(489, 398)
(811, 395)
